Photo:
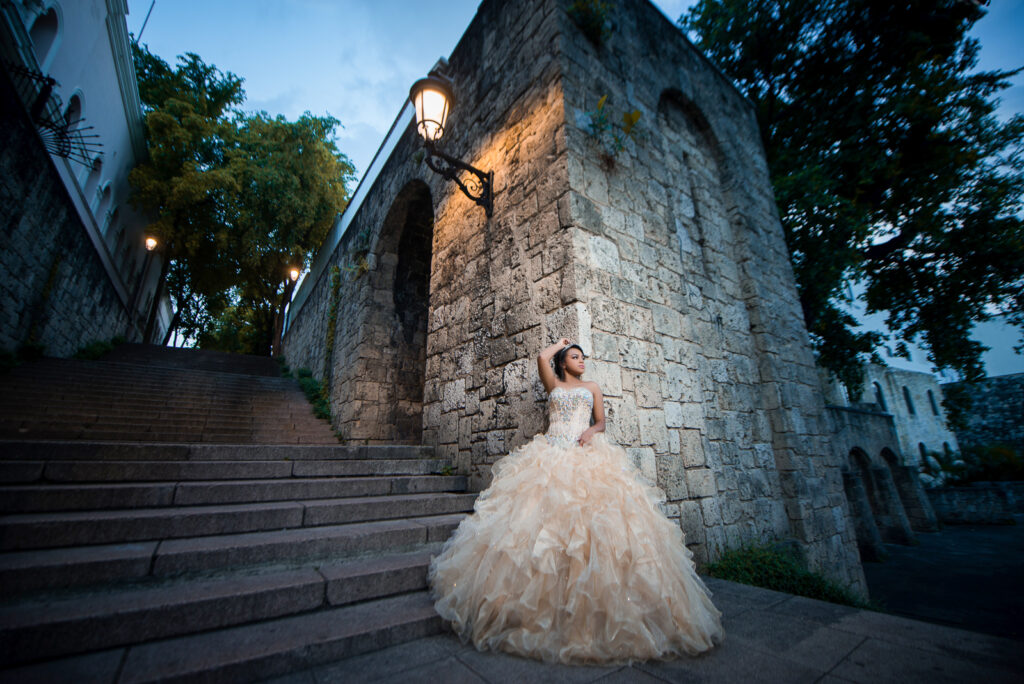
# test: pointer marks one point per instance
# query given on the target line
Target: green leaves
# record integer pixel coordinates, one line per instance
(889, 165)
(236, 198)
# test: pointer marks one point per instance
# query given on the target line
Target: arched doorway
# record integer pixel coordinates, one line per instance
(402, 280)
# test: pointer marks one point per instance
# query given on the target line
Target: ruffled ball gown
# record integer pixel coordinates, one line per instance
(568, 558)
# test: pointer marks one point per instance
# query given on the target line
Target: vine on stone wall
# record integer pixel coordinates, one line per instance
(612, 136)
(591, 16)
(332, 321)
(357, 263)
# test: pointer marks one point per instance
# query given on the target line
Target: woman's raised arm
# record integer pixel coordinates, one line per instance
(547, 375)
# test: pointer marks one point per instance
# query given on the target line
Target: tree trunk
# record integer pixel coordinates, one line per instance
(164, 268)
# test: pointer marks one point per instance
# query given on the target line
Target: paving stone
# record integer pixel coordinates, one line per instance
(876, 660)
(387, 664)
(502, 667)
(801, 641)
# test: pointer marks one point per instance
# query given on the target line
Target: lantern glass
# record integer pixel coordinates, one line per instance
(294, 274)
(150, 244)
(431, 99)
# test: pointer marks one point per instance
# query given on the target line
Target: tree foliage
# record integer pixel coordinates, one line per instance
(237, 198)
(889, 165)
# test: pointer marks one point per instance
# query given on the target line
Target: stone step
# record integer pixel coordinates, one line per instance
(167, 471)
(117, 616)
(252, 652)
(79, 528)
(252, 491)
(271, 437)
(27, 571)
(61, 450)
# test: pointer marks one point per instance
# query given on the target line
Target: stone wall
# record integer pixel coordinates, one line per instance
(985, 503)
(667, 264)
(54, 290)
(997, 413)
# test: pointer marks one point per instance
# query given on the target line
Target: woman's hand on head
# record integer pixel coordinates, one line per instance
(565, 341)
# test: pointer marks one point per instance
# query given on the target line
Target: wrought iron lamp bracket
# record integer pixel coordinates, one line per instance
(479, 186)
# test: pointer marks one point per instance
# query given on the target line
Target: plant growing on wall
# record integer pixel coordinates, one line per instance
(611, 136)
(591, 17)
(357, 263)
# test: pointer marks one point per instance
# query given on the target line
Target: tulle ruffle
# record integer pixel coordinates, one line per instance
(568, 558)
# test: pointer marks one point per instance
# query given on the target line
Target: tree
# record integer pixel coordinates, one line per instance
(237, 198)
(889, 165)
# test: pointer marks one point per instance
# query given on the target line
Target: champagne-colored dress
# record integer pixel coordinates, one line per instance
(567, 557)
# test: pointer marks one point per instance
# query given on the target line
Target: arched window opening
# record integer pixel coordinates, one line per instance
(102, 204)
(931, 400)
(93, 180)
(73, 113)
(946, 449)
(879, 397)
(924, 451)
(909, 401)
(44, 34)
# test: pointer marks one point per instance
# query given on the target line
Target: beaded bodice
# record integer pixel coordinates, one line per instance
(569, 412)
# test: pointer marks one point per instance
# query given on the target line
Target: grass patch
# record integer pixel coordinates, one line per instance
(98, 349)
(315, 392)
(773, 567)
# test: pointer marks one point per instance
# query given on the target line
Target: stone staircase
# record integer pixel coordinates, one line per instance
(167, 515)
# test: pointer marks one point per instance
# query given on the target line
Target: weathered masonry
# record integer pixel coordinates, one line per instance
(666, 260)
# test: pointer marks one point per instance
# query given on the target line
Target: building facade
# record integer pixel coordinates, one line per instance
(76, 268)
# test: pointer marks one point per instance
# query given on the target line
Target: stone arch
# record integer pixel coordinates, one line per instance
(401, 280)
(92, 181)
(45, 33)
(915, 504)
(860, 494)
(103, 199)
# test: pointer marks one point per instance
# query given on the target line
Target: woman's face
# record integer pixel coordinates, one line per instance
(574, 362)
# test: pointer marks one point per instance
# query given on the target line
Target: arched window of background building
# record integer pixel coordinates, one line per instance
(102, 204)
(909, 401)
(879, 397)
(93, 180)
(946, 450)
(73, 112)
(931, 400)
(924, 451)
(44, 36)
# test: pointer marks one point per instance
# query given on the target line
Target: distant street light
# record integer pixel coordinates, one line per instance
(286, 299)
(151, 244)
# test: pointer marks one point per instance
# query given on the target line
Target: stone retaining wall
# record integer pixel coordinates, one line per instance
(54, 290)
(979, 503)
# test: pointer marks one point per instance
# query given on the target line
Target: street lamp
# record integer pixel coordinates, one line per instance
(151, 245)
(432, 99)
(286, 300)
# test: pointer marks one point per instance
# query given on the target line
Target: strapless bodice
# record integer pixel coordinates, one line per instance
(569, 412)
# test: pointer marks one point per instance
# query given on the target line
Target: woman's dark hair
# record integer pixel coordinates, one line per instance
(560, 359)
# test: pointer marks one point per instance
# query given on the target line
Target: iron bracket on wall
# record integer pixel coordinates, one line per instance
(478, 186)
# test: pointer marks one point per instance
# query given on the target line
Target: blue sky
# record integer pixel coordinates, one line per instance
(356, 59)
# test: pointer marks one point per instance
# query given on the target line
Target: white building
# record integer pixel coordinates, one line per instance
(95, 134)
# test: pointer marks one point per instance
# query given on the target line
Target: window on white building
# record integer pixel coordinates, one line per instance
(909, 401)
(44, 35)
(879, 397)
(931, 400)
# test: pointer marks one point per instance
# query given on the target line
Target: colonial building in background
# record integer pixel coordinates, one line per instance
(73, 259)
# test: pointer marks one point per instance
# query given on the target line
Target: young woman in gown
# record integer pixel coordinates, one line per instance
(567, 557)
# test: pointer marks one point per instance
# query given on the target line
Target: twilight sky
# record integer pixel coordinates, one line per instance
(356, 59)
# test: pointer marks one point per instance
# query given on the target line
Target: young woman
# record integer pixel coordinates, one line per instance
(567, 557)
